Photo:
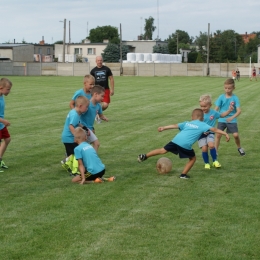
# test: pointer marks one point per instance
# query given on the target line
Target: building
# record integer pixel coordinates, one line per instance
(17, 52)
(246, 37)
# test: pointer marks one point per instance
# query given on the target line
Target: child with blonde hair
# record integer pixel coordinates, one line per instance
(207, 140)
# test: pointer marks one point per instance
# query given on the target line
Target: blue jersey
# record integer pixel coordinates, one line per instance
(87, 119)
(211, 117)
(190, 133)
(89, 157)
(224, 103)
(72, 119)
(2, 110)
(81, 92)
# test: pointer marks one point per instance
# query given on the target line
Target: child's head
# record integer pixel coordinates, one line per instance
(81, 104)
(89, 82)
(197, 114)
(229, 86)
(98, 93)
(205, 103)
(5, 86)
(80, 135)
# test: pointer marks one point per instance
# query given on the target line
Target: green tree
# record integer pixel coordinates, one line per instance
(199, 58)
(112, 52)
(149, 28)
(161, 49)
(181, 38)
(108, 32)
(192, 56)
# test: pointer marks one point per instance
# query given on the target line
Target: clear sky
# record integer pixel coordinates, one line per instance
(30, 20)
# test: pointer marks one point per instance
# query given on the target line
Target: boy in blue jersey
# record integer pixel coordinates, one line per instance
(94, 109)
(5, 88)
(91, 167)
(71, 122)
(181, 144)
(206, 140)
(229, 122)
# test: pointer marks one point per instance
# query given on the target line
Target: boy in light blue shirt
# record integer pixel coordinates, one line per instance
(90, 166)
(181, 144)
(207, 140)
(229, 122)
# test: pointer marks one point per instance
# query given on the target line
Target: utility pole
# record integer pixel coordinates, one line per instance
(64, 40)
(208, 51)
(177, 42)
(121, 56)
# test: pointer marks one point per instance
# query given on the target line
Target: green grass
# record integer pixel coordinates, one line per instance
(142, 215)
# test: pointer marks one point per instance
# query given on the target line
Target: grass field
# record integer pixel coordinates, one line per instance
(142, 215)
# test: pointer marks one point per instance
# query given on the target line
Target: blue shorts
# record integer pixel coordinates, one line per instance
(176, 149)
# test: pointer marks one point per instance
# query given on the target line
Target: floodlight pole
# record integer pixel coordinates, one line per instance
(177, 42)
(121, 56)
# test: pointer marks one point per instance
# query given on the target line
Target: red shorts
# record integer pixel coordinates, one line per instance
(4, 133)
(106, 98)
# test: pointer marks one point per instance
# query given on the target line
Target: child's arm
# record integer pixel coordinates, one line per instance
(72, 104)
(217, 108)
(101, 116)
(82, 171)
(218, 131)
(231, 108)
(72, 129)
(5, 122)
(162, 128)
(235, 115)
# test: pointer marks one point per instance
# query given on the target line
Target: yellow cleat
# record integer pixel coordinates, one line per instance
(216, 164)
(207, 166)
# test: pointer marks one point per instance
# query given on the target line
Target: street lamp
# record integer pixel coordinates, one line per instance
(64, 39)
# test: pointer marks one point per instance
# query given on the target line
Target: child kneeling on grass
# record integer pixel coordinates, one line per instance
(181, 144)
(90, 166)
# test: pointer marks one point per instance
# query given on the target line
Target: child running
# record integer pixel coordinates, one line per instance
(91, 168)
(5, 88)
(206, 140)
(181, 144)
(229, 122)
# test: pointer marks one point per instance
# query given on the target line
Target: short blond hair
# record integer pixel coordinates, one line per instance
(89, 77)
(5, 83)
(205, 98)
(81, 100)
(80, 134)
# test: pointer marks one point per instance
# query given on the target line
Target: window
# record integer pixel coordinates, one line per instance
(39, 50)
(92, 51)
(78, 51)
(48, 51)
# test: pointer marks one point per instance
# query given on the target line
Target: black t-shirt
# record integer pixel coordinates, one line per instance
(101, 76)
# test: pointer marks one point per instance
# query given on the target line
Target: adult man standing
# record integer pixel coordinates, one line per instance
(102, 74)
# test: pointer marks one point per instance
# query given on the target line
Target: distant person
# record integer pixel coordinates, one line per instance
(237, 74)
(91, 168)
(207, 140)
(5, 88)
(103, 77)
(181, 144)
(229, 122)
(253, 74)
(233, 74)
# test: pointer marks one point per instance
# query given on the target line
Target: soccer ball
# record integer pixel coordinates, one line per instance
(164, 165)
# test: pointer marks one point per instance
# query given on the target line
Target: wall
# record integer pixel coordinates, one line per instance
(129, 69)
(23, 53)
(6, 53)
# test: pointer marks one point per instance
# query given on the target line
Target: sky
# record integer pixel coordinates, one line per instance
(33, 20)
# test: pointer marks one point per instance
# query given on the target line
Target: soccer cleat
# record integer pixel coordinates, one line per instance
(184, 176)
(216, 164)
(141, 157)
(207, 166)
(66, 167)
(112, 178)
(2, 164)
(98, 180)
(241, 151)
